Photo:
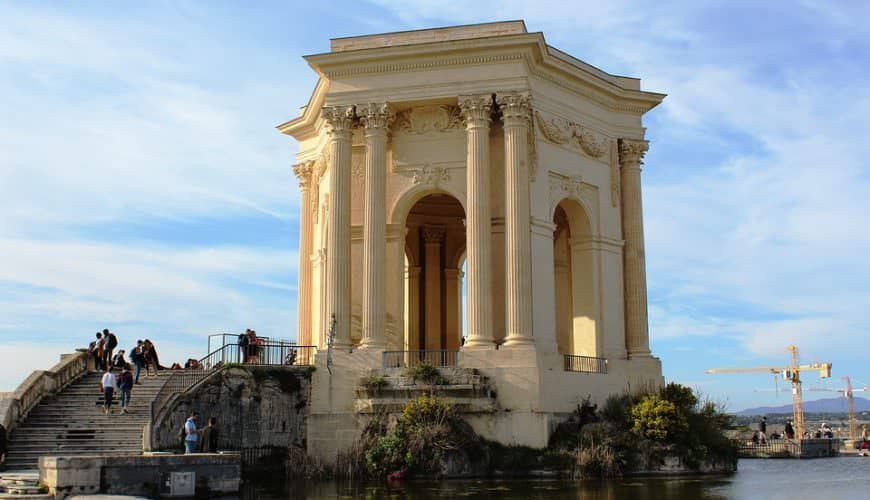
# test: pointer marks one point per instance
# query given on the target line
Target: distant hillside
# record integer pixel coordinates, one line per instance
(827, 405)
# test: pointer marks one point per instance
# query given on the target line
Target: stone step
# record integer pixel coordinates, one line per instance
(21, 489)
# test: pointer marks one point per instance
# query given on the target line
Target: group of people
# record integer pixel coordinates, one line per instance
(143, 355)
(199, 439)
(249, 346)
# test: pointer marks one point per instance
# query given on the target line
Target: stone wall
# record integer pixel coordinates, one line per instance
(254, 406)
(138, 475)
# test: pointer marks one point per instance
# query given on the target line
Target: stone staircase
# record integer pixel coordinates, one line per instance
(22, 486)
(72, 423)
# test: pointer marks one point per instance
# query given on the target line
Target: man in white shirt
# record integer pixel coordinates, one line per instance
(108, 385)
(191, 437)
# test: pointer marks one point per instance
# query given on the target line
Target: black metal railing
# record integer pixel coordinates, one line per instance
(407, 359)
(585, 364)
(772, 448)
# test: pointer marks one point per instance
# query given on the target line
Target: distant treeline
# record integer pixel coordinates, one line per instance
(780, 418)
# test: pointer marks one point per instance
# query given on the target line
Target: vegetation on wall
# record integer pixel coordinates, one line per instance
(631, 433)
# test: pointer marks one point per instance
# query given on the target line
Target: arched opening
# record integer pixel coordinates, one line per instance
(575, 278)
(434, 250)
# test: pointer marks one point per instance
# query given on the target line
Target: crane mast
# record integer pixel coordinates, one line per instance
(792, 374)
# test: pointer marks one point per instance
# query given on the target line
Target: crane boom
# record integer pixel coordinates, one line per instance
(792, 374)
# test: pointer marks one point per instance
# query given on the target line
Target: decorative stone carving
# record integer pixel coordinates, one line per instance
(339, 119)
(565, 186)
(631, 152)
(514, 106)
(428, 175)
(315, 193)
(533, 155)
(358, 170)
(433, 234)
(303, 173)
(560, 131)
(476, 109)
(427, 119)
(375, 115)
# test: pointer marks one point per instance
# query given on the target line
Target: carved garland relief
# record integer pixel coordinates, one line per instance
(426, 119)
(564, 132)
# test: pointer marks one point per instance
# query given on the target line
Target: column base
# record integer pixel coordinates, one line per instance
(640, 354)
(519, 341)
(373, 346)
(478, 344)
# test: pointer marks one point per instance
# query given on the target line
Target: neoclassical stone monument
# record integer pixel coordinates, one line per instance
(481, 148)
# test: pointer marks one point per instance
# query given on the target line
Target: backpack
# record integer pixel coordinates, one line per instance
(243, 340)
(182, 435)
(112, 342)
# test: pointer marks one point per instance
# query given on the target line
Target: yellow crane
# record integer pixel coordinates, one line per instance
(791, 373)
(847, 393)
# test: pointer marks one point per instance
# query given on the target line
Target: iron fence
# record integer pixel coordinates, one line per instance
(407, 359)
(585, 364)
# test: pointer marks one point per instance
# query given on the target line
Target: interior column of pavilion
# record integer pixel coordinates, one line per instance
(434, 246)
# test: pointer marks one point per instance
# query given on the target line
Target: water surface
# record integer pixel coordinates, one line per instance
(819, 479)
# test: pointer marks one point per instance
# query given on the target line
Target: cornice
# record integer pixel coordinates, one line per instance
(542, 62)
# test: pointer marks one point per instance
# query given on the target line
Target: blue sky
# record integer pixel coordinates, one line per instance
(144, 187)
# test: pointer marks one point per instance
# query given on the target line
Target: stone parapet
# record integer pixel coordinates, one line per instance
(39, 384)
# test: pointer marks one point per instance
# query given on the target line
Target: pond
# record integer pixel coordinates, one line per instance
(830, 478)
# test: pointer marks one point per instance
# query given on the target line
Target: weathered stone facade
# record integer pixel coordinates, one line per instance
(254, 406)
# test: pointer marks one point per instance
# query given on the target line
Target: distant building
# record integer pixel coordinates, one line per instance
(479, 146)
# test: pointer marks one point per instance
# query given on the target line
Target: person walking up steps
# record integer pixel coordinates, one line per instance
(111, 344)
(125, 385)
(137, 356)
(108, 385)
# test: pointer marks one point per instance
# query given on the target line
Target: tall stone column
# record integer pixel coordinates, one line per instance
(376, 118)
(515, 109)
(413, 311)
(636, 323)
(303, 313)
(476, 111)
(432, 237)
(339, 120)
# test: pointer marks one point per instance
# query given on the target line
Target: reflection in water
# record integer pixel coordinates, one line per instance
(835, 478)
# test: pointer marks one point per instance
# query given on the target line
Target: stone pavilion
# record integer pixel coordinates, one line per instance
(478, 161)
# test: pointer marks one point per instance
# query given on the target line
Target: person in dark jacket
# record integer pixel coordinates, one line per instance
(138, 358)
(111, 344)
(208, 440)
(125, 387)
(3, 449)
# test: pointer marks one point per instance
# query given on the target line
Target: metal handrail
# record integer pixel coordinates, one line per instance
(584, 364)
(408, 359)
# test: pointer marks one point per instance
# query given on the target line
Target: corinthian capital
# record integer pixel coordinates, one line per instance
(339, 119)
(375, 116)
(303, 173)
(433, 234)
(631, 152)
(476, 110)
(515, 107)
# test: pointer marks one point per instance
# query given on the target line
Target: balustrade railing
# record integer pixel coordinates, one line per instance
(408, 359)
(585, 364)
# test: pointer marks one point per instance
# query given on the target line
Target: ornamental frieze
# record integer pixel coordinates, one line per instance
(426, 119)
(568, 133)
(427, 175)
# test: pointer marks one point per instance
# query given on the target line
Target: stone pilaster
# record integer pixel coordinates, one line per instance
(515, 110)
(339, 121)
(432, 238)
(476, 111)
(303, 329)
(413, 319)
(377, 118)
(636, 323)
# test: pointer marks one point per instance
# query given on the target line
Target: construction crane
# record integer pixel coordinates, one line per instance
(791, 373)
(847, 392)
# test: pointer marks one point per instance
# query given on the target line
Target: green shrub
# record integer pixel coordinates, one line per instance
(657, 419)
(375, 382)
(427, 373)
